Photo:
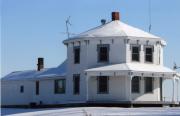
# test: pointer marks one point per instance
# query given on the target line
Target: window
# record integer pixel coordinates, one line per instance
(76, 55)
(37, 87)
(76, 83)
(103, 84)
(60, 86)
(103, 53)
(149, 54)
(148, 84)
(21, 89)
(135, 53)
(135, 84)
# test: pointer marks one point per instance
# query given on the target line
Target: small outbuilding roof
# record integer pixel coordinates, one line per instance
(115, 29)
(34, 74)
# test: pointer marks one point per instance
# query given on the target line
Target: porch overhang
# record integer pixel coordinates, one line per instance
(132, 69)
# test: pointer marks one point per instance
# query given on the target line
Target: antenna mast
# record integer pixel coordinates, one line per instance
(67, 26)
(149, 13)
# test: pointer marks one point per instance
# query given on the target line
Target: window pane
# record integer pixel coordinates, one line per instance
(77, 55)
(135, 84)
(103, 84)
(21, 89)
(37, 87)
(60, 86)
(148, 84)
(149, 55)
(103, 53)
(135, 53)
(76, 84)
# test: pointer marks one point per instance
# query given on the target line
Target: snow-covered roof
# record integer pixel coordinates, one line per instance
(34, 74)
(135, 67)
(115, 29)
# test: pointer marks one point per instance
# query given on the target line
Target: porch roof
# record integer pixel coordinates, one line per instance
(134, 68)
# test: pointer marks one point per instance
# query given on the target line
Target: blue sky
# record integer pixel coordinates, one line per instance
(33, 28)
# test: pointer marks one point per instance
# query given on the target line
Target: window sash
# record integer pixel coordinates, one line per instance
(37, 87)
(135, 51)
(103, 85)
(148, 84)
(135, 85)
(21, 89)
(76, 84)
(149, 54)
(103, 52)
(60, 86)
(76, 55)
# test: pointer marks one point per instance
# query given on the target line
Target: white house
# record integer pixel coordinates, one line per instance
(111, 63)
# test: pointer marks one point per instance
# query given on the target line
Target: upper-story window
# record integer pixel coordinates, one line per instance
(148, 54)
(103, 52)
(135, 53)
(77, 55)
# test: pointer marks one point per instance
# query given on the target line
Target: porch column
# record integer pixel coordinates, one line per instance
(87, 88)
(130, 88)
(178, 90)
(173, 96)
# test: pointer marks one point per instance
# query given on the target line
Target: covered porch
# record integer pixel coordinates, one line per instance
(121, 84)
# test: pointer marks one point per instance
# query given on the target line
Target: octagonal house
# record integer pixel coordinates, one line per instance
(113, 63)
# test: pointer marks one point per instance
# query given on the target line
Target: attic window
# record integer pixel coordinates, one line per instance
(103, 52)
(77, 55)
(135, 53)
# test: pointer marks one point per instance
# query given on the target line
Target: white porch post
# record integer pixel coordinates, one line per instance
(177, 90)
(130, 89)
(87, 88)
(173, 96)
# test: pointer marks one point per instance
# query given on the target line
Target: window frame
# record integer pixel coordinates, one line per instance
(145, 85)
(139, 84)
(98, 52)
(139, 49)
(152, 47)
(74, 84)
(22, 89)
(77, 61)
(56, 86)
(98, 85)
(37, 87)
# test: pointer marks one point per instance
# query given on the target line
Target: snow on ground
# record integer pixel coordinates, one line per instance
(91, 111)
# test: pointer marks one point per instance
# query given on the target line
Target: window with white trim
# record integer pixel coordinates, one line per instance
(135, 50)
(103, 84)
(148, 84)
(149, 54)
(135, 85)
(103, 52)
(59, 86)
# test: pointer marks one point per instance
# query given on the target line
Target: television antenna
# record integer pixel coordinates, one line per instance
(175, 66)
(149, 15)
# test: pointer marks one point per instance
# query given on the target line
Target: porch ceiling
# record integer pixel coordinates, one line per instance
(133, 68)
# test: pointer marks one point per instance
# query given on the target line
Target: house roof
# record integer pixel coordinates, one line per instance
(134, 67)
(115, 29)
(34, 74)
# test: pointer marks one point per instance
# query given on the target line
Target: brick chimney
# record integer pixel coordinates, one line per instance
(40, 64)
(115, 16)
